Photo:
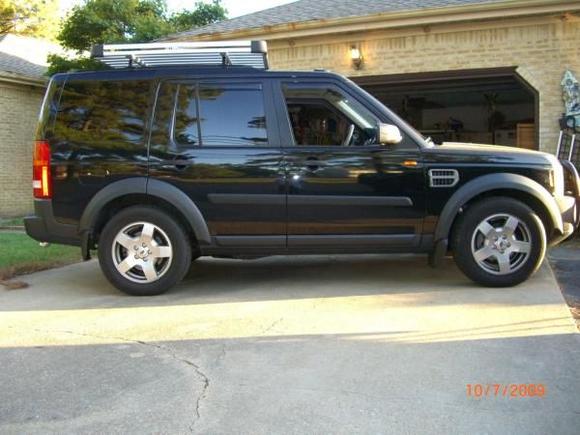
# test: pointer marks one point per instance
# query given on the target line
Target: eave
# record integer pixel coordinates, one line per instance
(454, 14)
(19, 79)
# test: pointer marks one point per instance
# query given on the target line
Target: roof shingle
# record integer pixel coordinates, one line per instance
(25, 56)
(312, 10)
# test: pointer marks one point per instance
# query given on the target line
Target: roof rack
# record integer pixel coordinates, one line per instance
(247, 53)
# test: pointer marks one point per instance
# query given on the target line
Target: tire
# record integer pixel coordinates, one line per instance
(511, 260)
(143, 251)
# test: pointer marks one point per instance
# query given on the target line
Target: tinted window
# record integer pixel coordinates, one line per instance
(316, 123)
(325, 116)
(228, 115)
(163, 113)
(186, 125)
(106, 112)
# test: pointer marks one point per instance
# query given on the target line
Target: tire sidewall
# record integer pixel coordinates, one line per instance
(474, 216)
(179, 240)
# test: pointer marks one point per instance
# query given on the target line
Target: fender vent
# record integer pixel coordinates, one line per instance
(443, 177)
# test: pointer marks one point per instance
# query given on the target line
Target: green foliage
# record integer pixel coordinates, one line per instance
(132, 21)
(57, 63)
(204, 13)
(29, 17)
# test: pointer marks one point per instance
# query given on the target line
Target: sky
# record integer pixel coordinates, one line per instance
(235, 7)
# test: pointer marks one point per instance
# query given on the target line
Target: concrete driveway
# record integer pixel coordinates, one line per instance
(371, 344)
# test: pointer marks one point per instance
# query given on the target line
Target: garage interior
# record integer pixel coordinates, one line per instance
(479, 106)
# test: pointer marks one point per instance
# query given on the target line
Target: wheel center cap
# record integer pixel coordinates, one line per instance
(143, 252)
(501, 244)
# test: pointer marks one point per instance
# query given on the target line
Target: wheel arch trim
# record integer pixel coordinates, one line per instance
(490, 182)
(154, 188)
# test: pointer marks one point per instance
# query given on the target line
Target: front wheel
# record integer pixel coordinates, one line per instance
(499, 242)
(143, 251)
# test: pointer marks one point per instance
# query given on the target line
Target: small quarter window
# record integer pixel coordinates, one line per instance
(186, 128)
(161, 128)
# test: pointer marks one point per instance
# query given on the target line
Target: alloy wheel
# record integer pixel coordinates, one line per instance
(501, 244)
(142, 252)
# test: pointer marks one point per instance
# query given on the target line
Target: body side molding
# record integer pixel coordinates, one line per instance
(346, 200)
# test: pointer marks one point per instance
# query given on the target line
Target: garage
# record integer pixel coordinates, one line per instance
(489, 106)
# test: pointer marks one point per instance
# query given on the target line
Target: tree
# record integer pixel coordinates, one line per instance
(203, 14)
(29, 17)
(133, 21)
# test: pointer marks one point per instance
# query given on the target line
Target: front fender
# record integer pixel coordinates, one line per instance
(491, 182)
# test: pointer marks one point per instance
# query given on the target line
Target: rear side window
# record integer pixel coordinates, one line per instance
(105, 112)
(48, 110)
(222, 114)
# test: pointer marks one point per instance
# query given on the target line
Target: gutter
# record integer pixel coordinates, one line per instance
(384, 20)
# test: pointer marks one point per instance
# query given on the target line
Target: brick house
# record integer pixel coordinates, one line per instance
(22, 85)
(484, 71)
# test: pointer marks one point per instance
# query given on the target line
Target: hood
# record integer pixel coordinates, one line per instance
(496, 154)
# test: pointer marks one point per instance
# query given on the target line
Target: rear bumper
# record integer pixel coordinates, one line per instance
(43, 227)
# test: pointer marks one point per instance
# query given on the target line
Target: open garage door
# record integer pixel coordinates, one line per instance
(491, 106)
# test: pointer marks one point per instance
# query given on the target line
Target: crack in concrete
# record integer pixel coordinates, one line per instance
(272, 325)
(167, 350)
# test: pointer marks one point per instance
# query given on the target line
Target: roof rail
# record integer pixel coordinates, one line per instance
(247, 53)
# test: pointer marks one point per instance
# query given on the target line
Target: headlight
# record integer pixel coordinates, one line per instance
(555, 176)
(558, 175)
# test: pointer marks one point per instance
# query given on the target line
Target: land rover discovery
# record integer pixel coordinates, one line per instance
(156, 164)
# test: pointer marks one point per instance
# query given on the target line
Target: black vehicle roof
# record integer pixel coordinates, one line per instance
(198, 71)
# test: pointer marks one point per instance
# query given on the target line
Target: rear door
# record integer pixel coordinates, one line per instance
(343, 187)
(217, 142)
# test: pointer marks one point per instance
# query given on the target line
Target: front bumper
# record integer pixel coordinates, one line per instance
(45, 228)
(569, 205)
(569, 209)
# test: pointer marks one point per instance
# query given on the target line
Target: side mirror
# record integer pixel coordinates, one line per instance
(389, 134)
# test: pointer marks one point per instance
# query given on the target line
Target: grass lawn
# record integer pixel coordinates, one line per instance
(12, 222)
(19, 254)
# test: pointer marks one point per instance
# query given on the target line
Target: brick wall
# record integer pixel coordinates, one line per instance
(19, 107)
(542, 48)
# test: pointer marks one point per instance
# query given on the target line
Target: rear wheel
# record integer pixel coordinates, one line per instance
(143, 251)
(499, 242)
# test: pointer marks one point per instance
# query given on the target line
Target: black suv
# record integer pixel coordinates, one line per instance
(156, 166)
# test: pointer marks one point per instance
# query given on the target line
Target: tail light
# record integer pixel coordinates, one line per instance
(41, 178)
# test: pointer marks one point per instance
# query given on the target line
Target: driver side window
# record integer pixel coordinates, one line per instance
(323, 116)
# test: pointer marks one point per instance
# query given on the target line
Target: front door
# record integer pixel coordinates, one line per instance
(343, 187)
(217, 142)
